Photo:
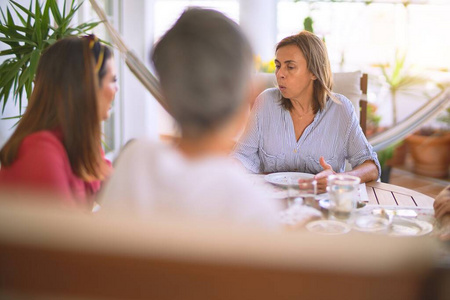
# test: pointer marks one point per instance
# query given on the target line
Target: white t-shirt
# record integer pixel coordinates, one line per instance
(150, 178)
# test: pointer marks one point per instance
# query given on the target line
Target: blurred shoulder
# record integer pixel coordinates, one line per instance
(139, 151)
(221, 171)
(268, 98)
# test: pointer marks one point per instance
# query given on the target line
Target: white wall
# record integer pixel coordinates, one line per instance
(258, 19)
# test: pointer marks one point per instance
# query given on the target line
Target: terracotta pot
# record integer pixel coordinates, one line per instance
(431, 154)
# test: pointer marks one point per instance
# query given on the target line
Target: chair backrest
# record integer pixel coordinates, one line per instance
(363, 102)
(49, 254)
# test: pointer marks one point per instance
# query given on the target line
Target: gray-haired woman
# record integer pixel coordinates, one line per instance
(301, 125)
(204, 66)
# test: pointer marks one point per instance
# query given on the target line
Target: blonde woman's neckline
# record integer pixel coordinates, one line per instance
(295, 112)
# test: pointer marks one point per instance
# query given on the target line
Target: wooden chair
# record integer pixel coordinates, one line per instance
(363, 103)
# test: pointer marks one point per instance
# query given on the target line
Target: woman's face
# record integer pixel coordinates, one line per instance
(108, 89)
(294, 79)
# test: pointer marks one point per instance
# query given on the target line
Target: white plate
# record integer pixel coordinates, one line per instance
(324, 202)
(328, 227)
(371, 223)
(409, 227)
(281, 178)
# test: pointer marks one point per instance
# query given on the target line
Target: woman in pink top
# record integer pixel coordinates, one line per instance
(56, 148)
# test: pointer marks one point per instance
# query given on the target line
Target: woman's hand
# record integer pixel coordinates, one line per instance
(442, 213)
(322, 176)
(442, 204)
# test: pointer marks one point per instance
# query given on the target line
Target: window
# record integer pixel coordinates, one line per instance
(360, 35)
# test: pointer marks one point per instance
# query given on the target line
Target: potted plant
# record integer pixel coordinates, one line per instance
(373, 120)
(430, 149)
(39, 26)
(400, 80)
(392, 156)
(385, 157)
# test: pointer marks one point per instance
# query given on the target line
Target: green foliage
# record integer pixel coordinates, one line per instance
(372, 118)
(400, 79)
(308, 24)
(39, 26)
(387, 153)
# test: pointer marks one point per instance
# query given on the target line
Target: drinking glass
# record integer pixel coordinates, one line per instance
(307, 190)
(292, 193)
(343, 193)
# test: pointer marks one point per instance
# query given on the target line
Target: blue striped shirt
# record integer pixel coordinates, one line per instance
(269, 143)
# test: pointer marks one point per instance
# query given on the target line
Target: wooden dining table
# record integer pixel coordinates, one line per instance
(382, 194)
(379, 195)
(392, 195)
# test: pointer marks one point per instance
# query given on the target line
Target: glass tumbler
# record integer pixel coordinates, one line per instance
(307, 190)
(343, 193)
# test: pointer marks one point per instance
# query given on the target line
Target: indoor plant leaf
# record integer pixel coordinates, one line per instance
(5, 91)
(22, 19)
(26, 11)
(28, 38)
(34, 60)
(15, 30)
(55, 12)
(14, 71)
(18, 50)
(12, 40)
(37, 23)
(45, 20)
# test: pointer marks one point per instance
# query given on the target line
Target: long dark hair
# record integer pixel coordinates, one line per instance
(65, 98)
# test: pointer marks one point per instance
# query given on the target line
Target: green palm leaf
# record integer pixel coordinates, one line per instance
(24, 23)
(22, 8)
(400, 80)
(28, 38)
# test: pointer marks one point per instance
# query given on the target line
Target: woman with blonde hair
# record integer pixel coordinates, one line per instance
(56, 148)
(301, 126)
